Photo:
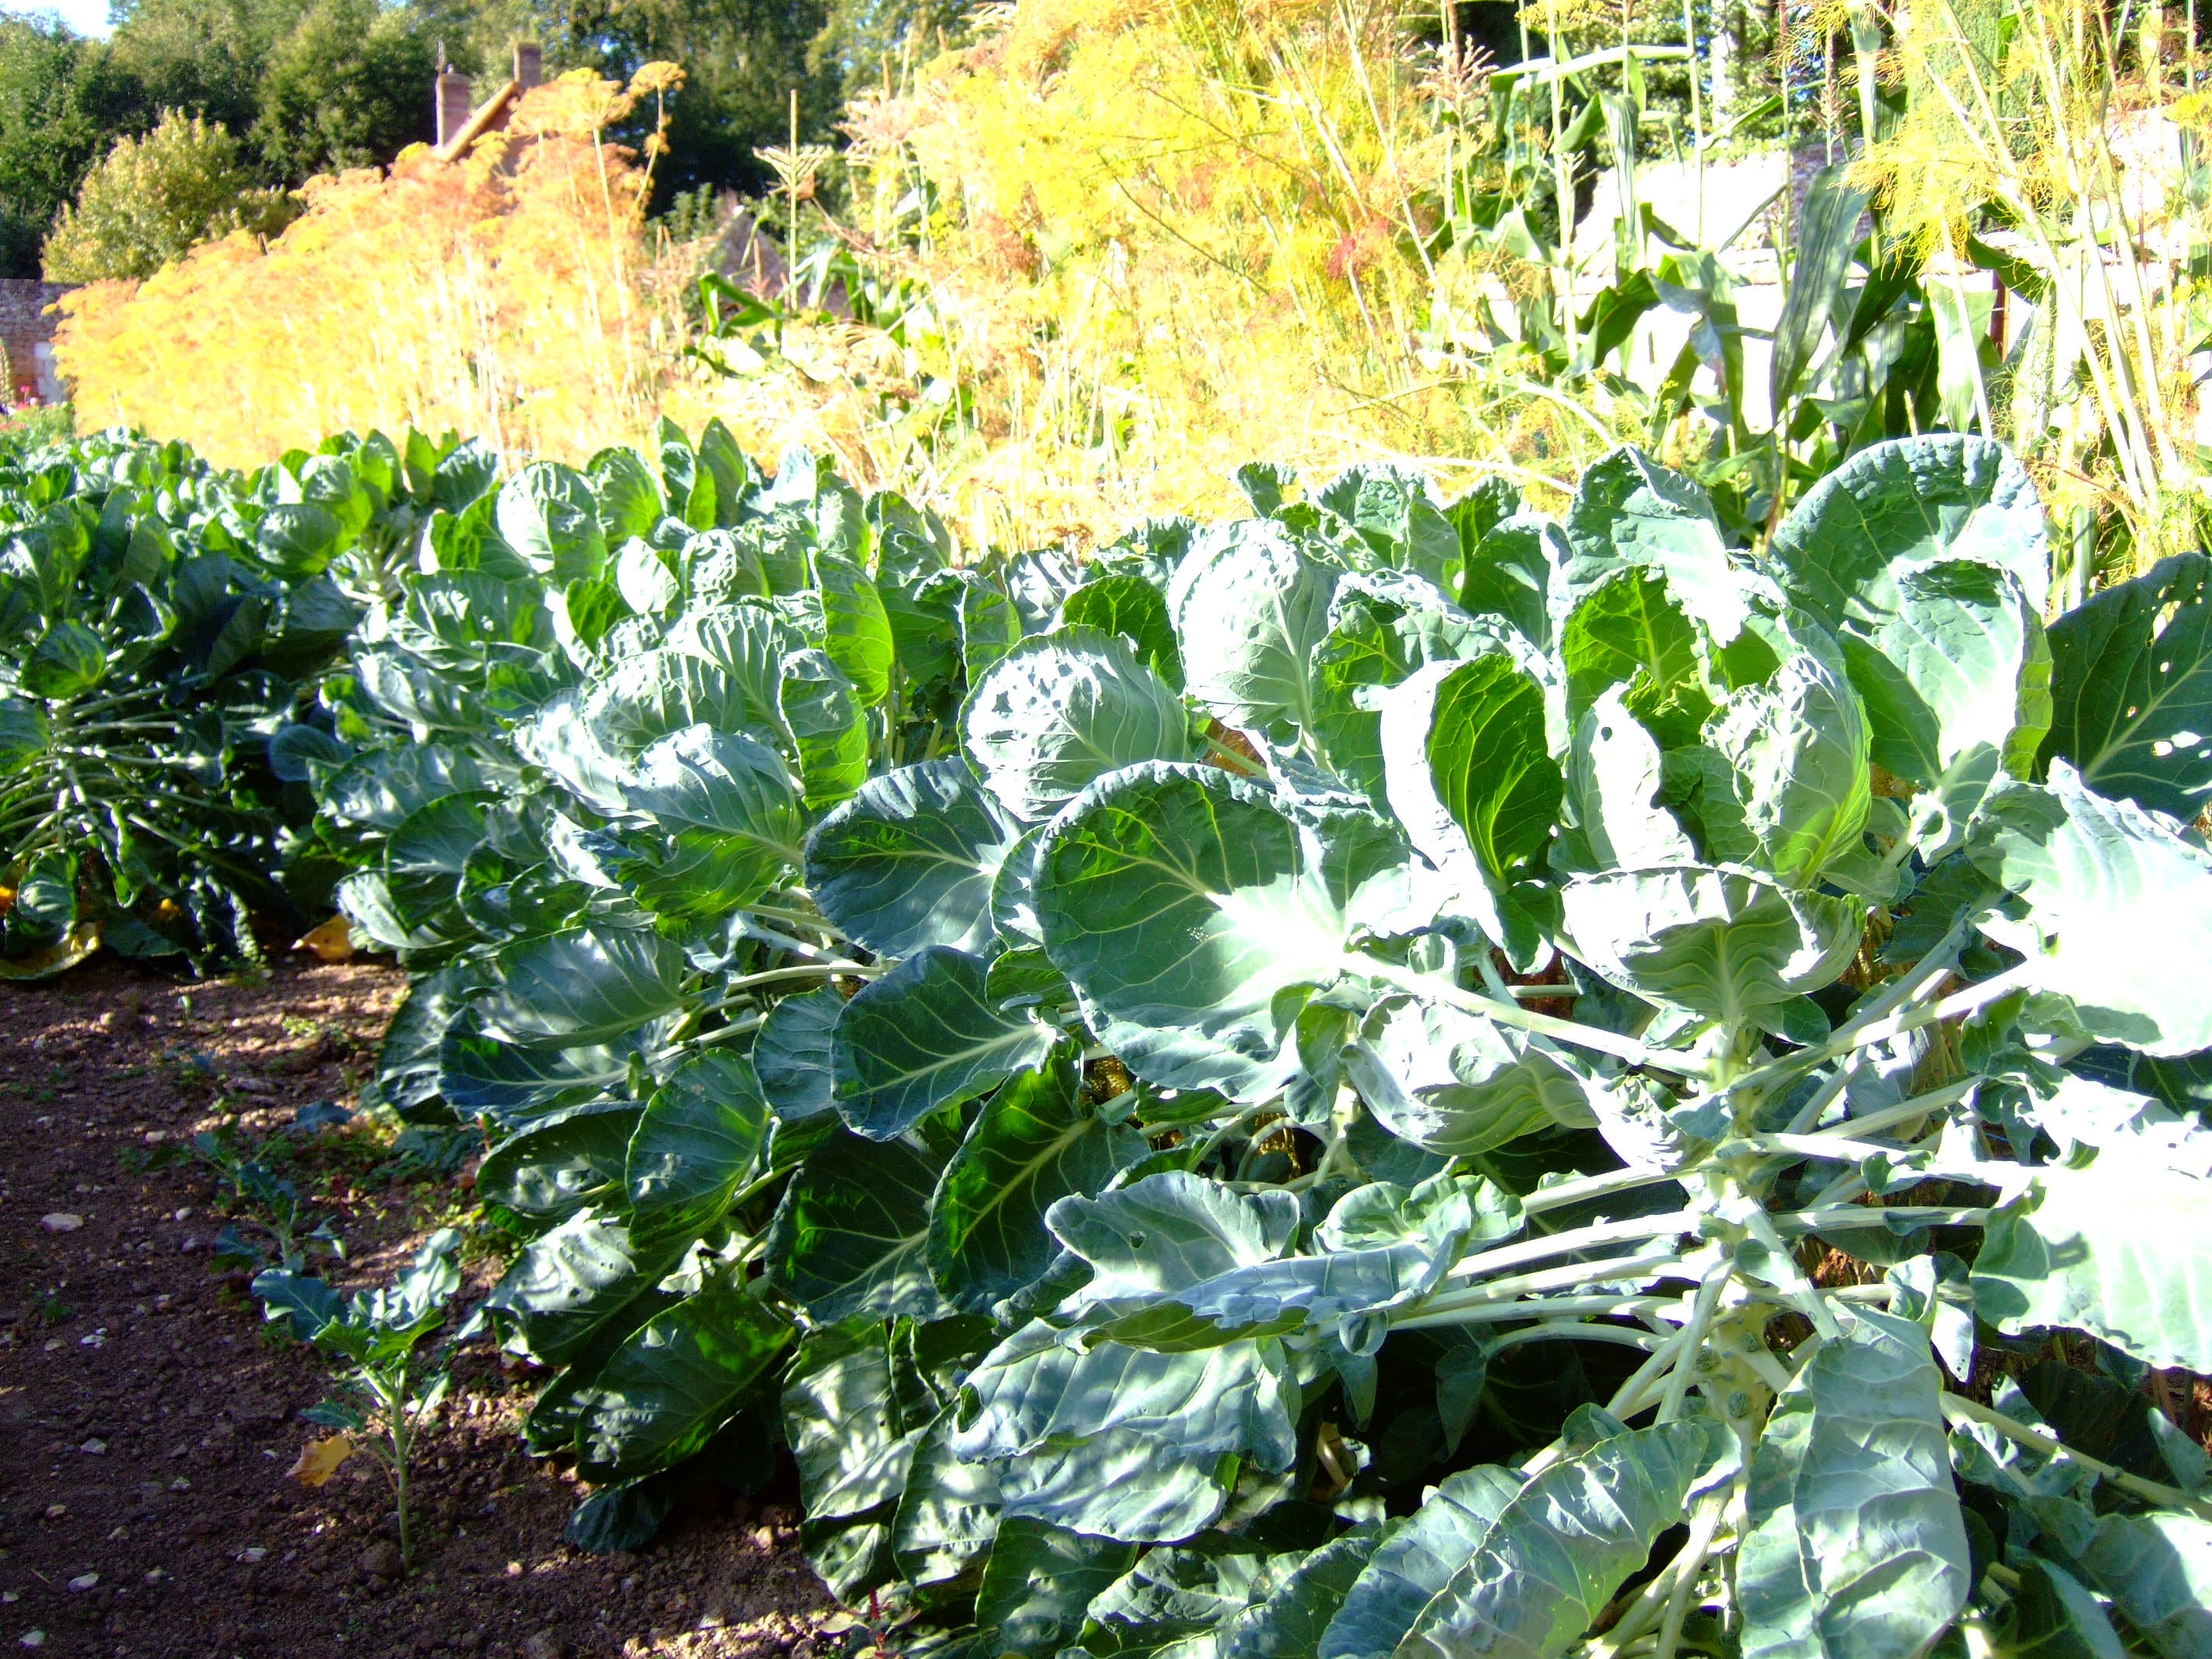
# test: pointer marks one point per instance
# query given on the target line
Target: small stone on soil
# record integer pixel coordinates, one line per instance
(382, 1559)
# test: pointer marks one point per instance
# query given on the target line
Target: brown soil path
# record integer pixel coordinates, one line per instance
(148, 1419)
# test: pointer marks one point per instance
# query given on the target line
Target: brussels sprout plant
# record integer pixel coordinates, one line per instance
(1376, 1078)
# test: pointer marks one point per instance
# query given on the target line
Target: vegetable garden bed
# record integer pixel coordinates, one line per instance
(1378, 1078)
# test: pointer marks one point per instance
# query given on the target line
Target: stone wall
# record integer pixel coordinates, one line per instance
(26, 332)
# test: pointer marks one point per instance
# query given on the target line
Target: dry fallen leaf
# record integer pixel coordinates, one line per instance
(319, 1459)
(332, 941)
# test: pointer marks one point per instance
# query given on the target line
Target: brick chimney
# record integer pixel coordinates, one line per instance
(453, 105)
(529, 65)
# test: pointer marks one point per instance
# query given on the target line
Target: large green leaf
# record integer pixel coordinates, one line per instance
(1122, 1483)
(1798, 748)
(924, 1036)
(1470, 775)
(641, 699)
(1725, 942)
(1041, 1387)
(584, 985)
(1412, 1562)
(1289, 1623)
(675, 1380)
(2158, 1569)
(841, 1416)
(1855, 1544)
(1903, 504)
(1518, 571)
(1955, 684)
(728, 806)
(1033, 1142)
(510, 1082)
(948, 1514)
(1615, 775)
(1039, 1581)
(857, 629)
(697, 1140)
(1629, 510)
(2131, 676)
(828, 728)
(567, 1159)
(2119, 1249)
(1057, 711)
(1566, 1542)
(1181, 903)
(1251, 607)
(1185, 1596)
(2095, 873)
(547, 515)
(791, 1056)
(1455, 1084)
(850, 1235)
(1382, 628)
(567, 1282)
(1629, 630)
(908, 862)
(1128, 605)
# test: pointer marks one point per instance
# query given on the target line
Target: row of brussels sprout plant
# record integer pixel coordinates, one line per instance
(1374, 1079)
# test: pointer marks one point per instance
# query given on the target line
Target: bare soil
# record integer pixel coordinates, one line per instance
(148, 1418)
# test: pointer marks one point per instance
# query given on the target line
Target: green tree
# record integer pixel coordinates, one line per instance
(62, 100)
(349, 85)
(154, 198)
(742, 60)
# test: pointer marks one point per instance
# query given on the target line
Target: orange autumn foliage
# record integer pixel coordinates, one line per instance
(507, 296)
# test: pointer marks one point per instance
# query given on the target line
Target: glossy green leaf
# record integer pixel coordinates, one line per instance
(840, 1415)
(1251, 607)
(1453, 1083)
(850, 1235)
(2118, 1249)
(1039, 1581)
(858, 630)
(675, 1380)
(584, 985)
(1414, 1561)
(791, 1056)
(1032, 1144)
(1798, 749)
(696, 1142)
(1856, 1545)
(1058, 710)
(1289, 1623)
(2093, 872)
(1565, 1542)
(567, 1159)
(908, 862)
(1182, 904)
(1724, 943)
(1131, 607)
(1628, 510)
(2157, 1568)
(1903, 504)
(2132, 683)
(1382, 630)
(567, 1282)
(547, 515)
(1629, 630)
(828, 726)
(1956, 686)
(924, 1036)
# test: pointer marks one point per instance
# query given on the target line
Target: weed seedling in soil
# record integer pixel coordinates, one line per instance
(385, 1393)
